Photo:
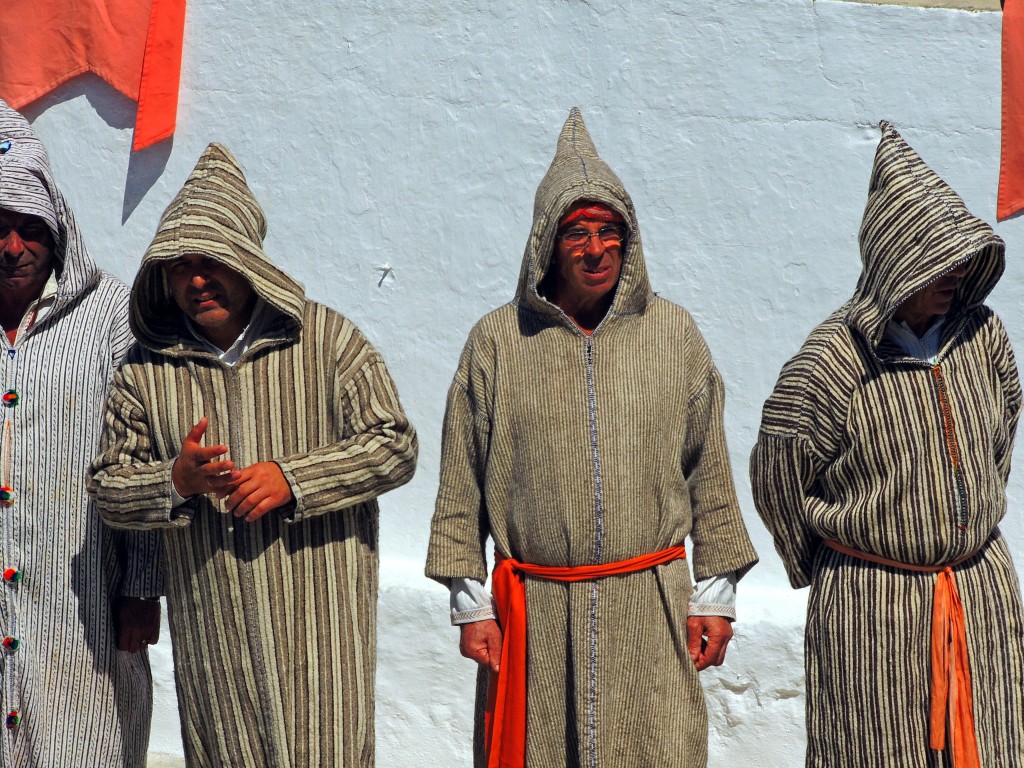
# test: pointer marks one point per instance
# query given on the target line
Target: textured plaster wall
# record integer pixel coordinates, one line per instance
(410, 136)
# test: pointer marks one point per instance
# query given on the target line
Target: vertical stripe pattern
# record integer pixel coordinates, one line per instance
(273, 622)
(569, 450)
(906, 460)
(80, 701)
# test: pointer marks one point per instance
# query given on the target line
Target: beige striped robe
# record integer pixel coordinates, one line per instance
(273, 622)
(570, 450)
(856, 445)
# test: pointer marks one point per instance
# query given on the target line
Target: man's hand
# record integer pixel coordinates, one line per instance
(257, 490)
(707, 637)
(195, 471)
(481, 642)
(136, 623)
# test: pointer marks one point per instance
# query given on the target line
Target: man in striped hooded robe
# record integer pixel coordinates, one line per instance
(270, 527)
(881, 470)
(584, 430)
(73, 596)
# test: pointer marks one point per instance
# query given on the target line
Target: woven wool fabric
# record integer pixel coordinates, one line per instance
(570, 450)
(273, 622)
(82, 702)
(893, 456)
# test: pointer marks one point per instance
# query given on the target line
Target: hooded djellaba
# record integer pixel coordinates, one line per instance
(69, 697)
(273, 622)
(901, 451)
(569, 449)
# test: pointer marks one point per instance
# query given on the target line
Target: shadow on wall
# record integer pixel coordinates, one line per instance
(117, 111)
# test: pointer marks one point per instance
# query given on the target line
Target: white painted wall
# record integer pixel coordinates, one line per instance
(413, 134)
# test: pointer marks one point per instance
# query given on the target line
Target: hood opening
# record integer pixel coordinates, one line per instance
(915, 230)
(214, 215)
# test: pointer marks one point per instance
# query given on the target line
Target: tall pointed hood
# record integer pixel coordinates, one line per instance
(915, 230)
(215, 215)
(578, 173)
(27, 186)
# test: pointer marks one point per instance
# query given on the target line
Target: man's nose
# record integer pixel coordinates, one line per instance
(595, 245)
(13, 245)
(198, 280)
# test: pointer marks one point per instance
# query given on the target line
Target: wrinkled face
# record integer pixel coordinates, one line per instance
(214, 297)
(934, 300)
(26, 255)
(588, 259)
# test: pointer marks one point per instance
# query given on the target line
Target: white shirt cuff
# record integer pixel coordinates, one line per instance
(715, 597)
(176, 498)
(470, 602)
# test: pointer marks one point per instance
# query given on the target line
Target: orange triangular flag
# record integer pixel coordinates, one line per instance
(134, 45)
(1011, 166)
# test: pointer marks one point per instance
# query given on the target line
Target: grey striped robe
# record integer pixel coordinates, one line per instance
(893, 456)
(81, 702)
(567, 450)
(273, 622)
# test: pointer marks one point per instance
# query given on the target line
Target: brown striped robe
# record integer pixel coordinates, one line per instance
(570, 450)
(273, 622)
(854, 447)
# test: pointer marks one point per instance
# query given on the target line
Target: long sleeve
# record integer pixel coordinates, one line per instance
(1009, 384)
(459, 527)
(719, 536)
(782, 475)
(139, 551)
(379, 455)
(130, 489)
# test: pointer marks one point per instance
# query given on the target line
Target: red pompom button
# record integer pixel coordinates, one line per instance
(13, 719)
(12, 575)
(11, 644)
(6, 496)
(10, 398)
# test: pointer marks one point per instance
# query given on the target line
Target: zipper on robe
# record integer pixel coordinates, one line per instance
(953, 450)
(598, 552)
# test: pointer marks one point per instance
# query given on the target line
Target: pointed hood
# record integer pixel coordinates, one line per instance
(216, 215)
(915, 230)
(578, 173)
(27, 186)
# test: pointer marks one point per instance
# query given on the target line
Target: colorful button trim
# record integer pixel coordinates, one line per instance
(10, 398)
(5, 146)
(13, 719)
(6, 496)
(11, 644)
(12, 575)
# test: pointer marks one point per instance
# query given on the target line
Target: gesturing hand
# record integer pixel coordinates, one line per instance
(256, 490)
(195, 470)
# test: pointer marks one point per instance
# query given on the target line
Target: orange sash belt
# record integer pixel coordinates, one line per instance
(951, 672)
(505, 719)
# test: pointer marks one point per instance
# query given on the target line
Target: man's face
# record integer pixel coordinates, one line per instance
(588, 259)
(934, 300)
(26, 255)
(213, 296)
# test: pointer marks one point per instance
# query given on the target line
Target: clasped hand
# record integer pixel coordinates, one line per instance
(250, 492)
